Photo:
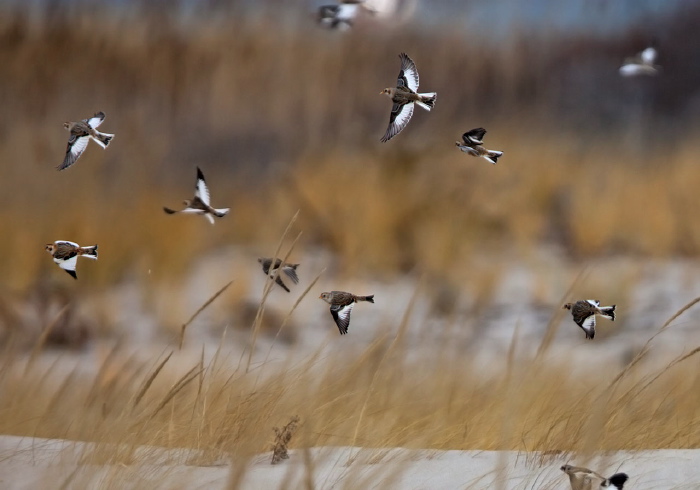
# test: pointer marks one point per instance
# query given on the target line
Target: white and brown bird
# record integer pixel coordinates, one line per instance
(641, 64)
(290, 270)
(81, 133)
(585, 479)
(341, 306)
(200, 204)
(404, 97)
(585, 311)
(342, 15)
(473, 141)
(66, 254)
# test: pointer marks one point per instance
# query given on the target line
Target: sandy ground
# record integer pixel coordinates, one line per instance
(31, 463)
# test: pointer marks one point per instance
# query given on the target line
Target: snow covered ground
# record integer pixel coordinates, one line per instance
(30, 463)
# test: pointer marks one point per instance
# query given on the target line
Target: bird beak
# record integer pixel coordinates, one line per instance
(320, 297)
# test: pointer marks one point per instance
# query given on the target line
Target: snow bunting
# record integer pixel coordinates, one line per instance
(472, 145)
(80, 134)
(404, 96)
(340, 16)
(341, 307)
(641, 64)
(585, 479)
(200, 203)
(65, 254)
(289, 269)
(584, 313)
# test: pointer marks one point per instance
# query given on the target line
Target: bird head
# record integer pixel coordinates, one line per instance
(388, 91)
(566, 468)
(187, 203)
(66, 125)
(567, 306)
(325, 297)
(50, 247)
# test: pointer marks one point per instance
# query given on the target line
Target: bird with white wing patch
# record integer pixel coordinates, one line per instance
(200, 204)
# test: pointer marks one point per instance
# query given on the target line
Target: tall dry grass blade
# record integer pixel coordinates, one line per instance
(200, 385)
(149, 381)
(266, 290)
(387, 354)
(41, 341)
(289, 315)
(309, 468)
(647, 344)
(201, 309)
(555, 320)
(635, 390)
(177, 387)
(66, 485)
(102, 372)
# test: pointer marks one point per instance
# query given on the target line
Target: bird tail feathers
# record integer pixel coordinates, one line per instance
(493, 156)
(369, 298)
(618, 480)
(103, 139)
(221, 212)
(427, 100)
(608, 311)
(89, 252)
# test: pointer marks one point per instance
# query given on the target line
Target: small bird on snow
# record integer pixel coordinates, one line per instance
(472, 145)
(65, 254)
(585, 479)
(404, 96)
(290, 271)
(81, 133)
(641, 64)
(584, 313)
(200, 203)
(341, 307)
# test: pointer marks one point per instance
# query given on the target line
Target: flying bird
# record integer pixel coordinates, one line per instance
(585, 479)
(641, 64)
(81, 133)
(404, 96)
(341, 307)
(584, 313)
(472, 145)
(290, 271)
(66, 254)
(340, 16)
(200, 204)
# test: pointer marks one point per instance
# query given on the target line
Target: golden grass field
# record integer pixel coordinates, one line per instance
(284, 120)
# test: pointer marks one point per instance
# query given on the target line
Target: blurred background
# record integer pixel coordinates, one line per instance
(596, 194)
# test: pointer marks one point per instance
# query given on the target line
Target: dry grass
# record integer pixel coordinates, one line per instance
(377, 399)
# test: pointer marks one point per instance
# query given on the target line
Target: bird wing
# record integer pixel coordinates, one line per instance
(408, 76)
(341, 315)
(475, 136)
(400, 115)
(593, 302)
(279, 282)
(65, 242)
(346, 12)
(95, 120)
(201, 190)
(67, 263)
(291, 272)
(76, 147)
(169, 211)
(588, 325)
(648, 56)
